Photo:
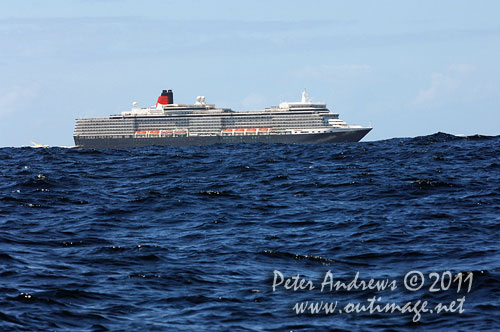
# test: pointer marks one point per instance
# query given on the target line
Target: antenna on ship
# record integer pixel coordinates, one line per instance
(305, 97)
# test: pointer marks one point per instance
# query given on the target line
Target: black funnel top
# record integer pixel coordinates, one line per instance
(170, 95)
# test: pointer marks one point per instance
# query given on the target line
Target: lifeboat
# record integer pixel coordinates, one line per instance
(239, 131)
(165, 133)
(180, 132)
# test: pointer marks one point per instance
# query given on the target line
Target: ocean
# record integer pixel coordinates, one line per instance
(392, 235)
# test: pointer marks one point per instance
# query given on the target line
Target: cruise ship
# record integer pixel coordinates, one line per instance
(167, 123)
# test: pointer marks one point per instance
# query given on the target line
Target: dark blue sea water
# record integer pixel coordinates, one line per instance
(193, 238)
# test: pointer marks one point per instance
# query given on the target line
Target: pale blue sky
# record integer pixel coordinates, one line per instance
(411, 67)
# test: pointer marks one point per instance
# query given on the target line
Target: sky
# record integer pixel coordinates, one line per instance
(410, 67)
